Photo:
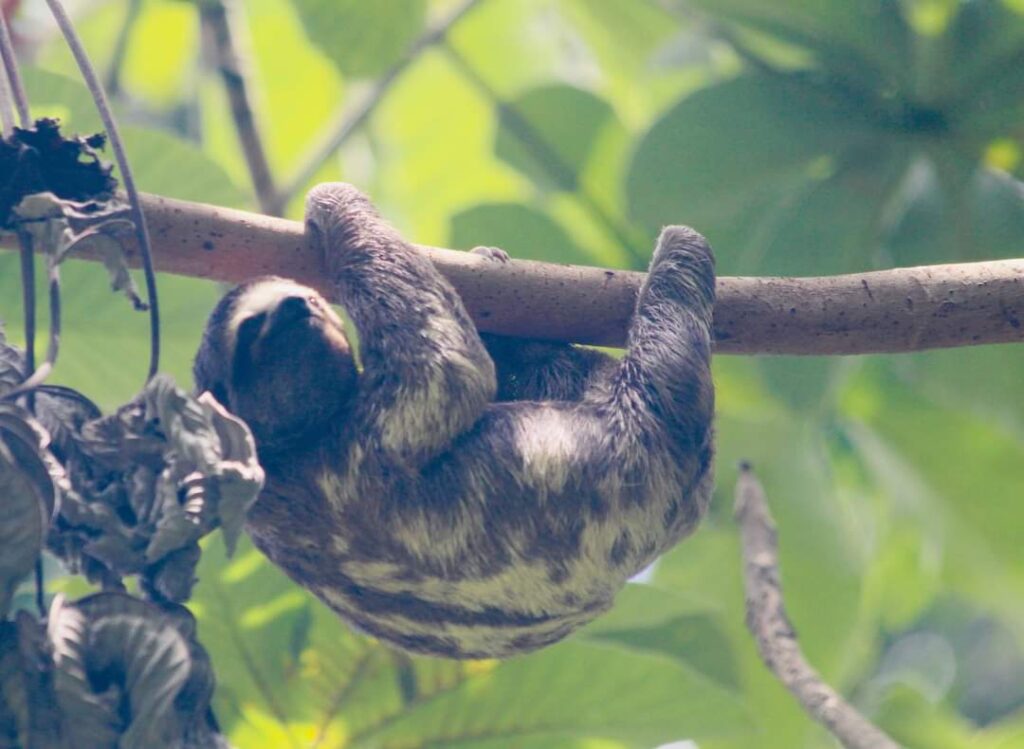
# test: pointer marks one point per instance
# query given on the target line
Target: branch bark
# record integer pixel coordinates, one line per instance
(776, 639)
(906, 309)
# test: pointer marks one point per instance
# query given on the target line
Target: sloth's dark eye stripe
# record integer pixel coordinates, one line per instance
(249, 330)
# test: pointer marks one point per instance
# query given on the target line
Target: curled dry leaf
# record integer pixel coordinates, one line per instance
(148, 482)
(107, 672)
(40, 159)
(30, 480)
(59, 227)
(12, 365)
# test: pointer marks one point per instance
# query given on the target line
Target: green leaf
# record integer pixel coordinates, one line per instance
(864, 40)
(649, 619)
(363, 39)
(161, 163)
(524, 232)
(716, 148)
(640, 699)
(548, 133)
(981, 77)
(936, 443)
(166, 165)
(952, 210)
(67, 99)
(803, 383)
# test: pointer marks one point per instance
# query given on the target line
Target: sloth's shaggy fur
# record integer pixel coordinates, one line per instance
(457, 498)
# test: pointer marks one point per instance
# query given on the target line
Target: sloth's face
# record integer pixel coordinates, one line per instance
(289, 367)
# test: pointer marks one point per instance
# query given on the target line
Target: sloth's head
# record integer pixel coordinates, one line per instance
(275, 354)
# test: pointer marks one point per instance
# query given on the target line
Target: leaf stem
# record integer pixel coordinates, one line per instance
(10, 61)
(141, 230)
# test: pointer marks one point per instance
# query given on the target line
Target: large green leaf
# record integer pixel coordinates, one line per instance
(968, 467)
(863, 40)
(956, 211)
(980, 66)
(520, 230)
(709, 154)
(640, 699)
(363, 39)
(548, 133)
(632, 46)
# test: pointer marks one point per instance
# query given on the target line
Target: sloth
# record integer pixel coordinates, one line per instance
(460, 495)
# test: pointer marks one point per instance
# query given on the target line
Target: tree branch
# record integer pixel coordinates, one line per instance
(906, 309)
(220, 40)
(776, 639)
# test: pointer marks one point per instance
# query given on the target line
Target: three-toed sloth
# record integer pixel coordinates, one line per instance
(457, 496)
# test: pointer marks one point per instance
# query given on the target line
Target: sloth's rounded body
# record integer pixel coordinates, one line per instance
(459, 498)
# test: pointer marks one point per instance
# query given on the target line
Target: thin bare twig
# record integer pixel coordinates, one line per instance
(17, 88)
(348, 123)
(13, 86)
(219, 21)
(138, 218)
(776, 638)
(6, 105)
(906, 309)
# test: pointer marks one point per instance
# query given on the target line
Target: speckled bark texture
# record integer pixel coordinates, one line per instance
(906, 309)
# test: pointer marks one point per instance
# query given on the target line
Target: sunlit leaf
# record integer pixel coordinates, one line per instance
(520, 230)
(548, 133)
(362, 38)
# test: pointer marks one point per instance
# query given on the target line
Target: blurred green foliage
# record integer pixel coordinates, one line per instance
(802, 137)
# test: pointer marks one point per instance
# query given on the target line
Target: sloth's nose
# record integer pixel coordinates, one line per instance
(292, 309)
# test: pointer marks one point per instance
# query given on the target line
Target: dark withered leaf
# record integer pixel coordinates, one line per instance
(29, 494)
(12, 365)
(62, 412)
(14, 705)
(214, 458)
(40, 159)
(144, 653)
(239, 472)
(32, 718)
(90, 719)
(148, 482)
(174, 576)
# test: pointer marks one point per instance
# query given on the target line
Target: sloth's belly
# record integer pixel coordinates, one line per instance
(513, 612)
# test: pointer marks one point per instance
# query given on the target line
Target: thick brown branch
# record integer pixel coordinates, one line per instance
(907, 309)
(776, 639)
